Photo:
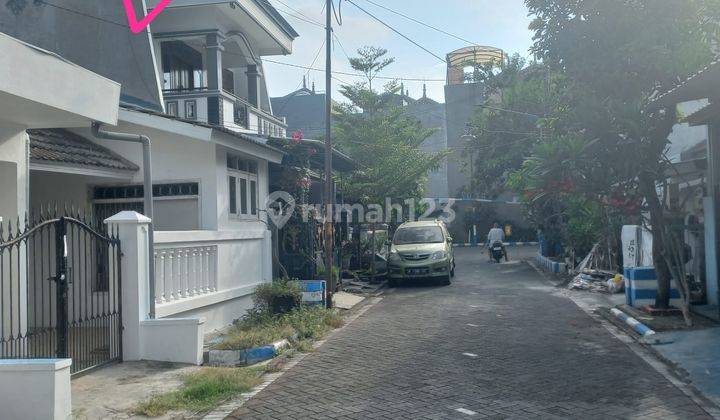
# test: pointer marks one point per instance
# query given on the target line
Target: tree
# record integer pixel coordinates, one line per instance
(615, 55)
(370, 62)
(382, 139)
(505, 130)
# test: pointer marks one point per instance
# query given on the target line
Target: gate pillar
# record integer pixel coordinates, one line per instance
(132, 230)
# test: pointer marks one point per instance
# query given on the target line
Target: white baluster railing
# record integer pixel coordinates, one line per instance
(185, 272)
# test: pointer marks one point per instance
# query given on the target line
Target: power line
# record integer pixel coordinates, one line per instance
(77, 12)
(300, 13)
(299, 18)
(427, 25)
(397, 32)
(317, 55)
(342, 73)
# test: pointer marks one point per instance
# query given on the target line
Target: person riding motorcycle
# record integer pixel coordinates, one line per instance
(496, 234)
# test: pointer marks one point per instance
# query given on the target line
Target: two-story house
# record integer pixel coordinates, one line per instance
(193, 83)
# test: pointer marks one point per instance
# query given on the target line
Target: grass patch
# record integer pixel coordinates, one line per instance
(201, 391)
(262, 328)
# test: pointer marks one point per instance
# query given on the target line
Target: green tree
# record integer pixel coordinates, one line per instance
(371, 61)
(506, 129)
(382, 139)
(615, 55)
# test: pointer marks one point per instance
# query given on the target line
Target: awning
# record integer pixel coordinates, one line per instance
(46, 90)
(341, 161)
(687, 171)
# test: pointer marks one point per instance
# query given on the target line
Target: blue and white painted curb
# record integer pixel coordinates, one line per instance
(645, 332)
(550, 265)
(246, 357)
(508, 244)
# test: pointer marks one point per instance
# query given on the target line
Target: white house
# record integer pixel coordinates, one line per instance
(208, 117)
(210, 157)
(38, 89)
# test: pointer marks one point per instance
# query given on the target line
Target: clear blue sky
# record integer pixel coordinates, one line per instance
(498, 23)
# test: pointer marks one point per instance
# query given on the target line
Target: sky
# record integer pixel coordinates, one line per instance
(497, 23)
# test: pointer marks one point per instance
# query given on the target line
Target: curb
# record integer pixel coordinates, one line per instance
(637, 326)
(245, 357)
(482, 245)
(550, 265)
(643, 350)
(230, 406)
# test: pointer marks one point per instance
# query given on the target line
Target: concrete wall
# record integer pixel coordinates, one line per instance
(227, 277)
(175, 159)
(460, 105)
(13, 171)
(35, 389)
(51, 187)
(432, 115)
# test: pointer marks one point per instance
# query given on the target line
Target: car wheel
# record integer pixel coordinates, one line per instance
(452, 270)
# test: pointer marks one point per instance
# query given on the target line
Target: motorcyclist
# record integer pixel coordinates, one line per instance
(496, 234)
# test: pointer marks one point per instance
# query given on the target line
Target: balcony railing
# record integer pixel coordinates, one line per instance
(235, 113)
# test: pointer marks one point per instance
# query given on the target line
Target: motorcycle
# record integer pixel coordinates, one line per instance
(497, 251)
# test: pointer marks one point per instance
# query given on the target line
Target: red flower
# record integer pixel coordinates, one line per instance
(297, 137)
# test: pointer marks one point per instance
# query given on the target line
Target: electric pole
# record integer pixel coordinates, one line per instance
(329, 190)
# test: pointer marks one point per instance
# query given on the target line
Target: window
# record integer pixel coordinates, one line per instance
(243, 196)
(191, 110)
(232, 182)
(419, 235)
(253, 198)
(243, 186)
(172, 108)
(177, 205)
(228, 81)
(182, 66)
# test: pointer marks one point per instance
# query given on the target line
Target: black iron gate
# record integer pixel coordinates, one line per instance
(60, 292)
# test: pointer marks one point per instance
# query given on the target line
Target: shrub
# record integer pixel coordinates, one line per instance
(262, 328)
(279, 297)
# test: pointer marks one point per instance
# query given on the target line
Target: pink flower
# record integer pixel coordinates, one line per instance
(297, 137)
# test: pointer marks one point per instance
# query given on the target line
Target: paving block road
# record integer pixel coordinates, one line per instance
(498, 343)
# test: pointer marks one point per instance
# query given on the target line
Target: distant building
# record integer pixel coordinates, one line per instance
(431, 114)
(463, 93)
(303, 110)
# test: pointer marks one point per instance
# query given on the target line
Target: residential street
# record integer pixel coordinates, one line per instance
(497, 343)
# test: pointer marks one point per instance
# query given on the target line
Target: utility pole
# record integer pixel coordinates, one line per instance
(329, 193)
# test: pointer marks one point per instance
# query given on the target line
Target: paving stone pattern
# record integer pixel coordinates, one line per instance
(537, 356)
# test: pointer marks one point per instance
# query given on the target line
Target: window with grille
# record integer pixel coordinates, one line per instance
(243, 187)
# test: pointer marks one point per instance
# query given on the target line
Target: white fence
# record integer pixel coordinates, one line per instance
(195, 271)
(184, 272)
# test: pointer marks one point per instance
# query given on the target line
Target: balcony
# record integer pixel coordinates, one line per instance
(224, 109)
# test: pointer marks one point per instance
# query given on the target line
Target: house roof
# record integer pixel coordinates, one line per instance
(65, 147)
(277, 17)
(341, 161)
(257, 140)
(703, 84)
(304, 110)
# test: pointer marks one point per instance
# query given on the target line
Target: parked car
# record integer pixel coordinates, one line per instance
(421, 250)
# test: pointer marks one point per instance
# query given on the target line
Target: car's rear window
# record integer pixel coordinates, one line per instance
(418, 235)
